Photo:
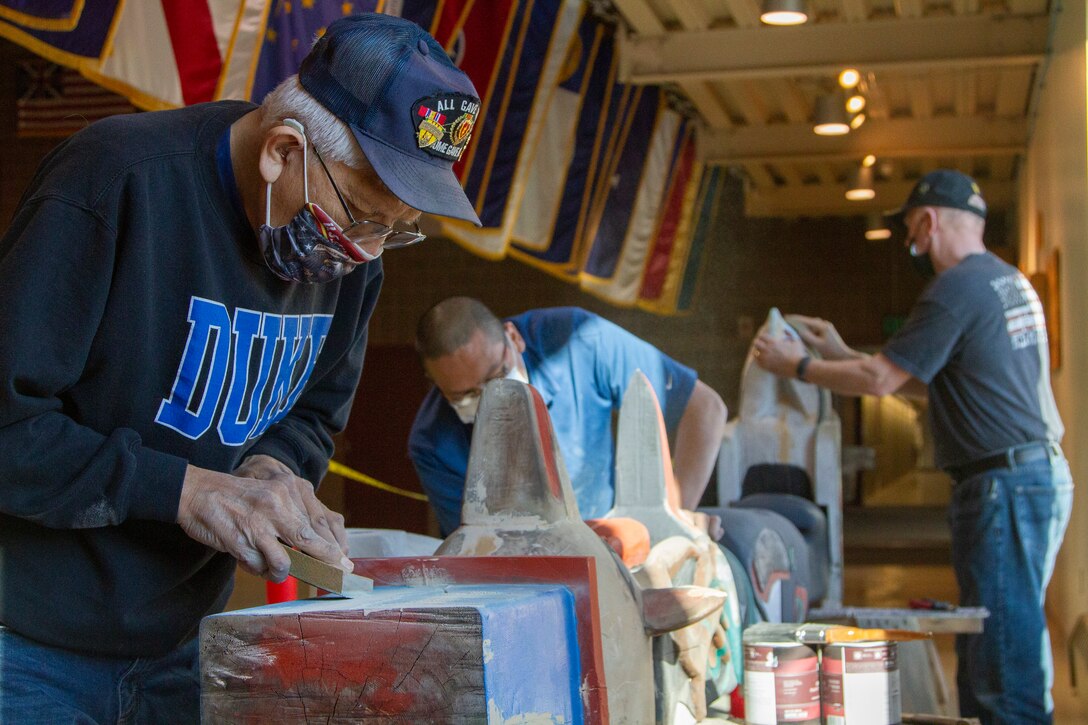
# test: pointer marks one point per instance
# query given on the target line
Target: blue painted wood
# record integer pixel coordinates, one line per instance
(537, 636)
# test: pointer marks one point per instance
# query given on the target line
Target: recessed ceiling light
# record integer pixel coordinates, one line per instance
(783, 12)
(861, 184)
(830, 116)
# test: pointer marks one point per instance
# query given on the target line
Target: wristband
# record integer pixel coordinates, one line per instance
(802, 366)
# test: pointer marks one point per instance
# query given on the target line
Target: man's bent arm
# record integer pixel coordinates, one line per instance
(698, 439)
(869, 375)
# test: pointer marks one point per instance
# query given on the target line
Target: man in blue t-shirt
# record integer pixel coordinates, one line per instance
(581, 364)
(977, 340)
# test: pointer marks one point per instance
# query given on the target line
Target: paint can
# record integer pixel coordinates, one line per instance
(781, 684)
(859, 684)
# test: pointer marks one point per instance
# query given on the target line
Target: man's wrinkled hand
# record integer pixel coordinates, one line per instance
(328, 523)
(821, 336)
(246, 514)
(778, 356)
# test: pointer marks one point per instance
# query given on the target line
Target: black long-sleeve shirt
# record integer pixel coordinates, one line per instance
(140, 331)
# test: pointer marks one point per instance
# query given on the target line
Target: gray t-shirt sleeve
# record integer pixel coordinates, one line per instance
(926, 341)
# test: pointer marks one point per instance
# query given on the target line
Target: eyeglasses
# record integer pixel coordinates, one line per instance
(506, 364)
(364, 231)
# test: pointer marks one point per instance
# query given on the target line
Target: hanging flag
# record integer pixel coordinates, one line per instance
(290, 31)
(629, 218)
(672, 242)
(571, 171)
(687, 276)
(70, 32)
(478, 39)
(166, 54)
(494, 172)
(420, 12)
(564, 163)
(160, 54)
(58, 101)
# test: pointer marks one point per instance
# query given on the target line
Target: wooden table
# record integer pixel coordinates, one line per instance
(923, 684)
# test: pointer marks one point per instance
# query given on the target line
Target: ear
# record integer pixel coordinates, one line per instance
(930, 219)
(276, 145)
(515, 336)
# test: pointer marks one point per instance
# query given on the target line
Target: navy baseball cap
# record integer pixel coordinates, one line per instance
(945, 188)
(409, 107)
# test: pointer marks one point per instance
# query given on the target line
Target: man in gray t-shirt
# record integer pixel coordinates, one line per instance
(976, 343)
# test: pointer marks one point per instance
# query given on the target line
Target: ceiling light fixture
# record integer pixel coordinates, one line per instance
(783, 12)
(857, 120)
(849, 78)
(830, 117)
(855, 103)
(876, 228)
(861, 184)
(868, 160)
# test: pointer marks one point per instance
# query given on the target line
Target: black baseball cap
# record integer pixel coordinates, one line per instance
(946, 188)
(409, 107)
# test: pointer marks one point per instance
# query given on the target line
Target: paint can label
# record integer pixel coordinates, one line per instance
(859, 684)
(781, 684)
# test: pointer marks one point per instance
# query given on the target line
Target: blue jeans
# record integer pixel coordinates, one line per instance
(1007, 525)
(40, 684)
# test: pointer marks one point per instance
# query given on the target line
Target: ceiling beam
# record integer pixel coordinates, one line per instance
(745, 12)
(700, 94)
(828, 199)
(893, 138)
(692, 15)
(640, 16)
(818, 49)
(855, 11)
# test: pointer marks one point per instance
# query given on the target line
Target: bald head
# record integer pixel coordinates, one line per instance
(452, 323)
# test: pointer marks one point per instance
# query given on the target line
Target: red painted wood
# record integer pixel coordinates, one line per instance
(577, 573)
(390, 665)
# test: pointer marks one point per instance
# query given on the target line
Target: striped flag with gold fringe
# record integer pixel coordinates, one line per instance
(566, 163)
(625, 227)
(494, 170)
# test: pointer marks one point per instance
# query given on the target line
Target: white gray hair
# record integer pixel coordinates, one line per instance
(328, 133)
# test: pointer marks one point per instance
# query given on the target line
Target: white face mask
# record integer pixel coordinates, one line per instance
(467, 406)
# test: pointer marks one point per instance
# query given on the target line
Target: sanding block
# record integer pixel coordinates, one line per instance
(326, 576)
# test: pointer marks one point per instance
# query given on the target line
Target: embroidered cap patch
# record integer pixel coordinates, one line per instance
(444, 124)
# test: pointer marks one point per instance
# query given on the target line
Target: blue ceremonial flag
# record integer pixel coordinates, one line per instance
(565, 166)
(623, 179)
(292, 28)
(64, 31)
(495, 169)
(643, 168)
(420, 12)
(500, 133)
